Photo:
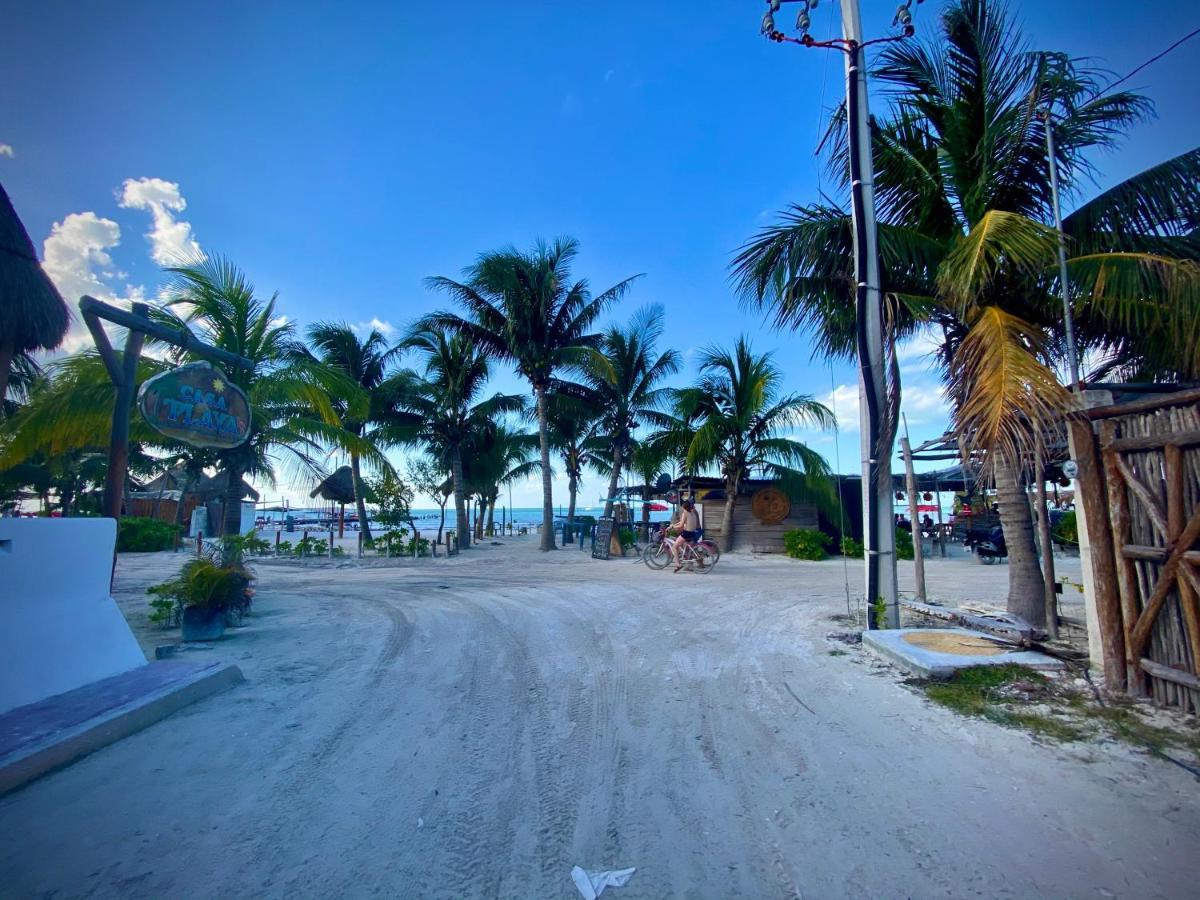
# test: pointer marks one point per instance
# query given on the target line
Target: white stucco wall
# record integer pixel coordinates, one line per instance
(59, 628)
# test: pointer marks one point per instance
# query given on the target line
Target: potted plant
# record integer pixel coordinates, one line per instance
(208, 596)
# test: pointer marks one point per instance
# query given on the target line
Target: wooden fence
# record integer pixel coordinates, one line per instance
(1139, 489)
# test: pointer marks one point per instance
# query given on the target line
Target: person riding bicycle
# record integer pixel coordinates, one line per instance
(688, 525)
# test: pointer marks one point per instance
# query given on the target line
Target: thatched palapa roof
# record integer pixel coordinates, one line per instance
(214, 485)
(32, 312)
(338, 487)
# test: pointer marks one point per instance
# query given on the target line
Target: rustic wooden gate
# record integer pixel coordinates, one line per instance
(1139, 480)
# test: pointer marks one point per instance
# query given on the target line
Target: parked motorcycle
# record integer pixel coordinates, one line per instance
(992, 549)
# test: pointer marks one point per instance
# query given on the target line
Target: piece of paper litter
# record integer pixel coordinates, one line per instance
(592, 884)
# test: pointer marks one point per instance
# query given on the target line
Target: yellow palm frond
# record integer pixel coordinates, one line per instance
(1005, 392)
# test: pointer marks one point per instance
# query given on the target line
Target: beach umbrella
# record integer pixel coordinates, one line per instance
(657, 507)
(338, 488)
(33, 315)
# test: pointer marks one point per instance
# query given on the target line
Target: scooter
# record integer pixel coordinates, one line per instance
(993, 549)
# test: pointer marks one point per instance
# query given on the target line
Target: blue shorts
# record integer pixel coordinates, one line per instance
(690, 536)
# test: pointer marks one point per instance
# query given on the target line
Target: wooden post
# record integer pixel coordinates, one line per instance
(278, 533)
(1043, 522)
(1105, 625)
(360, 543)
(331, 541)
(910, 481)
(1127, 581)
(342, 522)
(123, 372)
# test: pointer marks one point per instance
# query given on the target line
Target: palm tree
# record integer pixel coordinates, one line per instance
(365, 361)
(627, 386)
(737, 418)
(575, 424)
(294, 399)
(440, 407)
(647, 461)
(523, 308)
(498, 455)
(964, 201)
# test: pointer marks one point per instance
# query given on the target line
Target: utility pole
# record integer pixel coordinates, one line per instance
(879, 524)
(877, 434)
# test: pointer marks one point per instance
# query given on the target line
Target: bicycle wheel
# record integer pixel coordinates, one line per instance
(713, 550)
(656, 556)
(703, 558)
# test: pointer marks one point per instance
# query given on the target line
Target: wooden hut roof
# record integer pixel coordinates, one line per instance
(338, 487)
(32, 311)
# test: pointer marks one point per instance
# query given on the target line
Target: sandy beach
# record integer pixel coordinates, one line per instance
(476, 726)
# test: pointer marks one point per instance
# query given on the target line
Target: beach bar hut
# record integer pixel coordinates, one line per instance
(762, 514)
(33, 315)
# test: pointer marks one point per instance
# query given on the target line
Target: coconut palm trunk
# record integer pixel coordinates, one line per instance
(731, 491)
(547, 486)
(613, 480)
(490, 530)
(1026, 587)
(232, 508)
(359, 500)
(460, 501)
(572, 490)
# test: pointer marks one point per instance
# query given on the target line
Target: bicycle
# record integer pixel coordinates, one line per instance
(657, 554)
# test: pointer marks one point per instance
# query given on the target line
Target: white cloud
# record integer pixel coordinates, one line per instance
(375, 324)
(918, 354)
(843, 400)
(7, 150)
(75, 256)
(171, 241)
(608, 75)
(921, 403)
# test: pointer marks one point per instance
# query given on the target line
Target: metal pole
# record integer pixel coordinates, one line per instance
(918, 551)
(878, 520)
(1064, 280)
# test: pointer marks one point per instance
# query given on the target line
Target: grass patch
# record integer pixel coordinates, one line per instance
(1017, 697)
(971, 691)
(837, 653)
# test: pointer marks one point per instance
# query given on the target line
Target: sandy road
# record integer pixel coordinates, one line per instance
(475, 727)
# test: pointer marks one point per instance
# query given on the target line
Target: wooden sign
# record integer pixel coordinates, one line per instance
(600, 542)
(196, 404)
(770, 505)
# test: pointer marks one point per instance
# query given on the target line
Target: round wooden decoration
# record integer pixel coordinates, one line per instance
(770, 505)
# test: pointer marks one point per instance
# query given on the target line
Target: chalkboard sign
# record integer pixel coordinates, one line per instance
(601, 538)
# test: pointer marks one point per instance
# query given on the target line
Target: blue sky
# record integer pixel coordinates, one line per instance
(340, 153)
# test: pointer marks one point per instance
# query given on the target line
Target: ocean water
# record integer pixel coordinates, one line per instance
(432, 515)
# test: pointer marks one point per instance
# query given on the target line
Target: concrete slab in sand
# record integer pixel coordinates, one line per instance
(49, 734)
(940, 652)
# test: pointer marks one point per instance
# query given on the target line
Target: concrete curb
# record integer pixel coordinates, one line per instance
(64, 747)
(890, 645)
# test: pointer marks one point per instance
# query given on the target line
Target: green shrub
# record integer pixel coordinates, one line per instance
(202, 582)
(1067, 529)
(138, 534)
(904, 545)
(806, 543)
(852, 548)
(248, 544)
(627, 537)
